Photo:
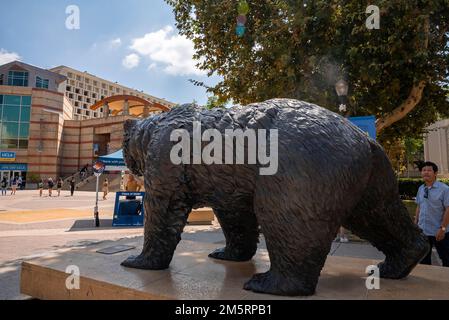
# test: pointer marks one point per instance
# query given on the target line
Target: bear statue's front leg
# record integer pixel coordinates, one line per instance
(164, 224)
(241, 231)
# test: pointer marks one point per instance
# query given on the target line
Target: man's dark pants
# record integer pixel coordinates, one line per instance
(442, 249)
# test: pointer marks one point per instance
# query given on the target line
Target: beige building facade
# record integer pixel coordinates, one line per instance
(39, 135)
(436, 142)
(84, 89)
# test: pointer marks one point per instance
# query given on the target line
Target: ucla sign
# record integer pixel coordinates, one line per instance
(6, 156)
(366, 124)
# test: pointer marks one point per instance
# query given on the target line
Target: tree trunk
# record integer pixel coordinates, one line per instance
(400, 112)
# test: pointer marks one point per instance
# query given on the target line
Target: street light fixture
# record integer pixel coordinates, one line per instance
(342, 88)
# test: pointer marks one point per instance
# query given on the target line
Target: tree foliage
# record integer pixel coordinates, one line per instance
(300, 49)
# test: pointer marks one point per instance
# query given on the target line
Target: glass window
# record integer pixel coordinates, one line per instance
(23, 144)
(10, 130)
(11, 113)
(41, 83)
(1, 99)
(26, 100)
(25, 114)
(14, 100)
(9, 143)
(18, 78)
(15, 134)
(24, 131)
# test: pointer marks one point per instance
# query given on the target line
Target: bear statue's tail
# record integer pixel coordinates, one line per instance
(381, 218)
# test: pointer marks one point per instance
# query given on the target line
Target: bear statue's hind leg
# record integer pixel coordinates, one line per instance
(298, 247)
(241, 231)
(390, 229)
(381, 218)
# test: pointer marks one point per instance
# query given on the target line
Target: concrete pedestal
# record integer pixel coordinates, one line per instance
(192, 275)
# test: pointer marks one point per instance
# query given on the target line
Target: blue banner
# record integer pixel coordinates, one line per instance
(13, 167)
(366, 124)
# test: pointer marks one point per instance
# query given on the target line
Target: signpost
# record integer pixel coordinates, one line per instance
(98, 170)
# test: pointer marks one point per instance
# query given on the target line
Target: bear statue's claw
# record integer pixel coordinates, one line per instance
(144, 262)
(273, 283)
(223, 254)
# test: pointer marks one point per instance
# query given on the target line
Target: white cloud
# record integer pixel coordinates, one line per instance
(152, 66)
(6, 57)
(131, 61)
(115, 43)
(173, 51)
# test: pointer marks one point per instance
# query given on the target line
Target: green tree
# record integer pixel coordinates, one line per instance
(214, 102)
(300, 49)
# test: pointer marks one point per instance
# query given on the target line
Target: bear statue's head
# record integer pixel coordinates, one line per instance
(132, 150)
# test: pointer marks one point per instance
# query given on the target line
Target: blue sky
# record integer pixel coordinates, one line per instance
(133, 42)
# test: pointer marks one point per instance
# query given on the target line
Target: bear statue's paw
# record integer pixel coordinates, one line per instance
(399, 266)
(144, 262)
(273, 283)
(391, 271)
(231, 255)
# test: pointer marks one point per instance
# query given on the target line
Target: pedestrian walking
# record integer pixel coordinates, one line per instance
(432, 213)
(40, 185)
(4, 185)
(72, 186)
(59, 186)
(19, 183)
(51, 184)
(105, 188)
(13, 186)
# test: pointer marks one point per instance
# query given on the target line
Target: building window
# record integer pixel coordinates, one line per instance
(70, 75)
(41, 83)
(68, 88)
(15, 114)
(1, 79)
(18, 78)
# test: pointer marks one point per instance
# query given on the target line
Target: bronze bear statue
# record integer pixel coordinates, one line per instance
(329, 174)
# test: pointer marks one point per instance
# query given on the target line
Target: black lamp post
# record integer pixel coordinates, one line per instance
(341, 87)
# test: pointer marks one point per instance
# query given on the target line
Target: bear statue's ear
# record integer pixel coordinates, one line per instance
(129, 124)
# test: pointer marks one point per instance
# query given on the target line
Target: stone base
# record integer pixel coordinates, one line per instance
(192, 275)
(203, 216)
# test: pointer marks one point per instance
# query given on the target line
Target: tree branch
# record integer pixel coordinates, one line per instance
(400, 112)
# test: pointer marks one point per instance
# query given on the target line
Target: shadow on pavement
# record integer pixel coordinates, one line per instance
(89, 225)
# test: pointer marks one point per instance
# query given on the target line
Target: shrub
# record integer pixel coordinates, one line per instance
(408, 188)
